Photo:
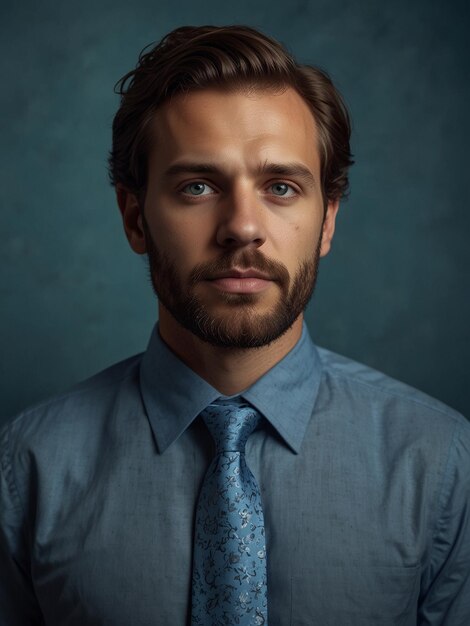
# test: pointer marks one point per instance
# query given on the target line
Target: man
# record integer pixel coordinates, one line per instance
(234, 473)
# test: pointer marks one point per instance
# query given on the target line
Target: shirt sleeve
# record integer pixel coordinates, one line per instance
(18, 604)
(445, 590)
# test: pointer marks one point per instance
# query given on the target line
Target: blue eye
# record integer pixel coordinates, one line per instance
(282, 189)
(198, 189)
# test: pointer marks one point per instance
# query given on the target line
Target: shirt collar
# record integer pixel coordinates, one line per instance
(174, 395)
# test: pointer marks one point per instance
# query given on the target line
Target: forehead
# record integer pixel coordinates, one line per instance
(234, 126)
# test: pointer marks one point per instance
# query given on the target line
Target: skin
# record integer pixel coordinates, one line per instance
(240, 210)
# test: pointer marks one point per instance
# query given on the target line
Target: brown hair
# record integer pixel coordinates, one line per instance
(232, 57)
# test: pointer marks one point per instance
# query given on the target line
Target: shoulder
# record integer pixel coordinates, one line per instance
(79, 412)
(380, 396)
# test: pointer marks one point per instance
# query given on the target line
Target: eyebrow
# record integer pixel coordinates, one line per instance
(189, 167)
(291, 169)
(295, 170)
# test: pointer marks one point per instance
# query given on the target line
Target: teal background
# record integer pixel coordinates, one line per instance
(394, 293)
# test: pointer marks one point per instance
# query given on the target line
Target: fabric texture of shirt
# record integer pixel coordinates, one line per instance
(365, 484)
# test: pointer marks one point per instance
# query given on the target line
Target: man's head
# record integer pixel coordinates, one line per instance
(230, 58)
(229, 161)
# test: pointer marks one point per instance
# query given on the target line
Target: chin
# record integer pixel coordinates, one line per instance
(240, 330)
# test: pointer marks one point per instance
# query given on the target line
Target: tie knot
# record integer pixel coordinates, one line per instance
(230, 425)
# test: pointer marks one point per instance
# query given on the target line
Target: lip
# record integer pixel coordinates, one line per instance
(241, 281)
(247, 273)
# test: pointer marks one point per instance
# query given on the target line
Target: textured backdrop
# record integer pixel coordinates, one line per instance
(394, 292)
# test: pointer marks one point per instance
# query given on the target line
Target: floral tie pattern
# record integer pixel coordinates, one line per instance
(229, 566)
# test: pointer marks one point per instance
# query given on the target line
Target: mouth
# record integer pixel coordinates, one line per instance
(241, 281)
(242, 274)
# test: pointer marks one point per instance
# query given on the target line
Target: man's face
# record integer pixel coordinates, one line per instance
(233, 214)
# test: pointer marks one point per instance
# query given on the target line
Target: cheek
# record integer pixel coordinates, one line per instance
(180, 239)
(298, 240)
(173, 239)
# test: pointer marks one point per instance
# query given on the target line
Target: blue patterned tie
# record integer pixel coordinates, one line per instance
(229, 567)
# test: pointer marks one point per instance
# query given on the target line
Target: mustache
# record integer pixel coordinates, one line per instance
(243, 260)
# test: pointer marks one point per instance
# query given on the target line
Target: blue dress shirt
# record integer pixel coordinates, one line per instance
(365, 485)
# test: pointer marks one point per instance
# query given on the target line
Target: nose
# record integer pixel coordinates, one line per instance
(241, 221)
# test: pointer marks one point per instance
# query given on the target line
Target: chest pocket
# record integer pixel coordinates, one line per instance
(355, 596)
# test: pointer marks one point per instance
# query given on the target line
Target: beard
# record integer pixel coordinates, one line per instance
(243, 326)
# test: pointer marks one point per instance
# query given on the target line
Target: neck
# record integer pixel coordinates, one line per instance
(230, 371)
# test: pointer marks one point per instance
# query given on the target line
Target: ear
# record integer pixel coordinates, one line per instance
(132, 219)
(329, 226)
